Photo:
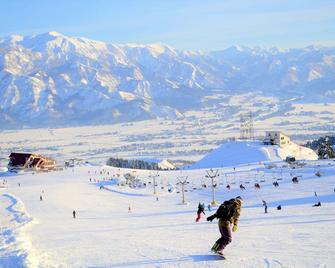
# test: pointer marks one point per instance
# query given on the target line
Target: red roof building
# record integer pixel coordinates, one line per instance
(21, 161)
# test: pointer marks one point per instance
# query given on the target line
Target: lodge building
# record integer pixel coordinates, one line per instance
(23, 161)
(276, 138)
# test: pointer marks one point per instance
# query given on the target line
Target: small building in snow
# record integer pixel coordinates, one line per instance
(22, 161)
(276, 138)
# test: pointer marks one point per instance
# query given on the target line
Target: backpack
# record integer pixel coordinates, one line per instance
(227, 210)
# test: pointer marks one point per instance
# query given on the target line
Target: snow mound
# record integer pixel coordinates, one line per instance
(165, 164)
(3, 169)
(234, 153)
(299, 152)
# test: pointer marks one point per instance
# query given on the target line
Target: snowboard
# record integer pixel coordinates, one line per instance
(220, 255)
(217, 254)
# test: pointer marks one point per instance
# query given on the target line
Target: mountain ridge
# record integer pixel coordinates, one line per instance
(54, 80)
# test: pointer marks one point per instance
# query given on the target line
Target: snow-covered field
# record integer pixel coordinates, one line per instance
(190, 138)
(164, 233)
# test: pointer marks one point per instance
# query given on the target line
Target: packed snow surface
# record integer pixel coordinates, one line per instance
(118, 226)
(233, 153)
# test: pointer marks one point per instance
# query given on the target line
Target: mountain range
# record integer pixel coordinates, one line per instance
(53, 80)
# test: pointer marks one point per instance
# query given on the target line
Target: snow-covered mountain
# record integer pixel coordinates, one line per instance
(55, 80)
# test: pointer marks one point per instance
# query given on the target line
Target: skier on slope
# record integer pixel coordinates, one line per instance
(201, 209)
(228, 214)
(265, 206)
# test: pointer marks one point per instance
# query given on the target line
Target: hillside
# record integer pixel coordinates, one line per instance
(235, 153)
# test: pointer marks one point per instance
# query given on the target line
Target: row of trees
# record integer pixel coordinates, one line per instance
(324, 147)
(132, 163)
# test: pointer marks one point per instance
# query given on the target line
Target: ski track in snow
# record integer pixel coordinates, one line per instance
(11, 252)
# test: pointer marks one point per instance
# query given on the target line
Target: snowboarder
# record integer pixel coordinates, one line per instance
(201, 209)
(74, 214)
(265, 206)
(228, 214)
(318, 204)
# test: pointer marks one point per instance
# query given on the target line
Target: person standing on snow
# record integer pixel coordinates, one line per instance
(228, 214)
(201, 209)
(265, 206)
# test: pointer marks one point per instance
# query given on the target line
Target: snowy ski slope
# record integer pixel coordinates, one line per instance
(164, 233)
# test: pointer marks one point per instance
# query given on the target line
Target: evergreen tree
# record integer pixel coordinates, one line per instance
(325, 149)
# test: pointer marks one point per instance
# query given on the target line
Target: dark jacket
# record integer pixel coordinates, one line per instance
(233, 204)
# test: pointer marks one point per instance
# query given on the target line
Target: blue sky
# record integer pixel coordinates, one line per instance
(185, 24)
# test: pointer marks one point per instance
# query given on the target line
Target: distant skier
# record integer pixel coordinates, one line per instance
(265, 206)
(74, 214)
(276, 184)
(228, 214)
(295, 180)
(209, 207)
(41, 198)
(279, 207)
(201, 209)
